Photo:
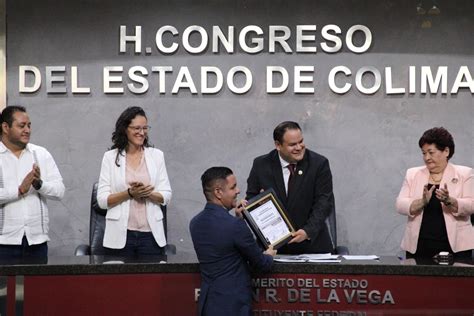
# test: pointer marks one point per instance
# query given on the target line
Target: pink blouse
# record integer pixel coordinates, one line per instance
(137, 219)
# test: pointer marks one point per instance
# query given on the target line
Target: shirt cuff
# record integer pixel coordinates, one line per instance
(12, 193)
(166, 197)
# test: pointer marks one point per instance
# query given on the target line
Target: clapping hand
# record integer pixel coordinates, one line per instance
(36, 177)
(140, 191)
(33, 176)
(427, 194)
(443, 194)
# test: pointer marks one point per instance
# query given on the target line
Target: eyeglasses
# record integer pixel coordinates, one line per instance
(138, 129)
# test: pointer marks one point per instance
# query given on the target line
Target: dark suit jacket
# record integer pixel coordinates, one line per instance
(310, 201)
(225, 247)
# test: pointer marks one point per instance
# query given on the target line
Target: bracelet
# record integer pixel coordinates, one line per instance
(129, 194)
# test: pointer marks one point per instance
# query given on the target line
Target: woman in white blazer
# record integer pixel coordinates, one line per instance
(438, 200)
(133, 184)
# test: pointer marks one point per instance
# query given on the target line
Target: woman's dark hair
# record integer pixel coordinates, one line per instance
(440, 137)
(119, 136)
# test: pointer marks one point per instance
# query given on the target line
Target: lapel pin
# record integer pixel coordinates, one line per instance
(300, 172)
(454, 180)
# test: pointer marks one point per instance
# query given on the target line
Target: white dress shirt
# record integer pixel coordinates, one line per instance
(286, 172)
(26, 215)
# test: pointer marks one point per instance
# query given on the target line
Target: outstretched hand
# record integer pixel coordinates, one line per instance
(239, 210)
(270, 251)
(298, 236)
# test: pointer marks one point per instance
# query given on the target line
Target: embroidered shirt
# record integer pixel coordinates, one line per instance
(26, 215)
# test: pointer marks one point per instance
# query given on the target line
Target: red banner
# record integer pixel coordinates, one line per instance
(274, 295)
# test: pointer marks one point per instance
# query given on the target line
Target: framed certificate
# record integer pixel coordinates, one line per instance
(267, 219)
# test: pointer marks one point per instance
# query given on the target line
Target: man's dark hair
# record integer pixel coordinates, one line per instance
(440, 137)
(211, 176)
(7, 113)
(281, 128)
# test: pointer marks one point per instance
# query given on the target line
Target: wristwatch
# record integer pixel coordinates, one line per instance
(37, 184)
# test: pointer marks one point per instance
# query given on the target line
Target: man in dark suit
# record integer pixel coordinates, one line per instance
(302, 181)
(225, 248)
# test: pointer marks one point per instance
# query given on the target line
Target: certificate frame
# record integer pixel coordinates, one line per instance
(277, 214)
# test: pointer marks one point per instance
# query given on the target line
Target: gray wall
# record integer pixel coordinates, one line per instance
(369, 140)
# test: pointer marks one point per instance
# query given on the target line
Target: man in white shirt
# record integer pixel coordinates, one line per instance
(28, 176)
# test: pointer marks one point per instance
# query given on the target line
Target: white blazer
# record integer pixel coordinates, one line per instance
(460, 182)
(112, 180)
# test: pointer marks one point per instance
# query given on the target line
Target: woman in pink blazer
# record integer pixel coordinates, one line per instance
(438, 200)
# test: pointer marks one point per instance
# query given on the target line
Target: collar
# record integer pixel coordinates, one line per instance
(215, 207)
(4, 148)
(283, 162)
(449, 167)
(449, 174)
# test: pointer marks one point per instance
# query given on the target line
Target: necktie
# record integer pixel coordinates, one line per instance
(292, 168)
